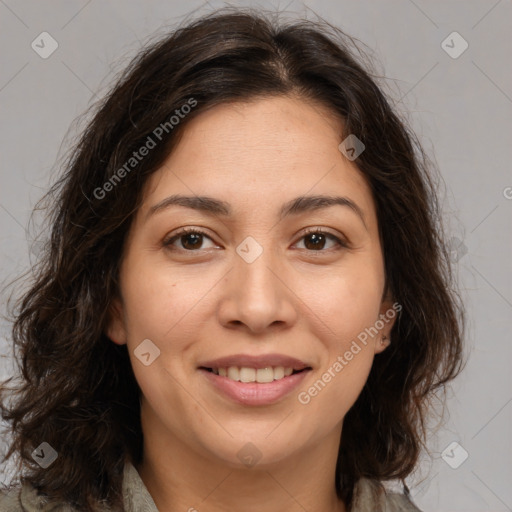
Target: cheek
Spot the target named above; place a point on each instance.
(344, 309)
(337, 384)
(167, 310)
(158, 304)
(160, 308)
(345, 303)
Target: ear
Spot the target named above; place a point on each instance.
(115, 328)
(389, 310)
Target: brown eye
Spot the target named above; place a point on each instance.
(317, 240)
(189, 239)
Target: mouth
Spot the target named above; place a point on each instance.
(255, 380)
(260, 375)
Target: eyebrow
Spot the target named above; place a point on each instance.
(216, 207)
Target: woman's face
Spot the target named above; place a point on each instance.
(255, 291)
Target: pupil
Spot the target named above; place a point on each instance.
(317, 239)
(313, 241)
(196, 240)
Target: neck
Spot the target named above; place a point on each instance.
(190, 481)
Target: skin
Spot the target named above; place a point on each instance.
(207, 302)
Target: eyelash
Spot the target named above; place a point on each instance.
(317, 231)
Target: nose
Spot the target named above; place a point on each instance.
(257, 297)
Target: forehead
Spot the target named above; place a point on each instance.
(265, 150)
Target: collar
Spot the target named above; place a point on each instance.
(369, 496)
(135, 494)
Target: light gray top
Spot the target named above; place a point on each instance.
(367, 498)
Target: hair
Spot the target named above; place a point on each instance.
(76, 389)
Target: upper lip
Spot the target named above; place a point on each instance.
(261, 361)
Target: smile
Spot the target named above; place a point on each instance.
(261, 375)
(254, 380)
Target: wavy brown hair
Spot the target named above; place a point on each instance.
(76, 389)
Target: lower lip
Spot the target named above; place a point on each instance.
(255, 393)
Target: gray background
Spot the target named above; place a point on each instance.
(460, 107)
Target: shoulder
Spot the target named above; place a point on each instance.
(9, 500)
(26, 499)
(371, 496)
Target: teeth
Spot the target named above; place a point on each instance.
(278, 372)
(233, 373)
(245, 374)
(264, 375)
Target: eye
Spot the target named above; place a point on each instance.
(316, 239)
(190, 240)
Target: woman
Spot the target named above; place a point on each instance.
(246, 303)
